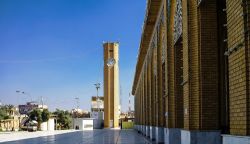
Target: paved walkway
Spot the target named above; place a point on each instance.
(12, 136)
(104, 136)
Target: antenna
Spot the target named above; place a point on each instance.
(97, 85)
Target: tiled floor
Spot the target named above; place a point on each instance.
(105, 136)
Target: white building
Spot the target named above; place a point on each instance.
(83, 123)
(49, 125)
(97, 103)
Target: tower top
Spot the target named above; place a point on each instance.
(109, 42)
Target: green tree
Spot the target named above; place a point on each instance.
(36, 115)
(3, 114)
(63, 118)
(8, 108)
(45, 115)
(5, 111)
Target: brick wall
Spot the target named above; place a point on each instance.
(150, 114)
(178, 87)
(201, 56)
(237, 69)
(247, 46)
(186, 63)
(191, 65)
(170, 61)
(200, 67)
(152, 88)
(208, 45)
(159, 73)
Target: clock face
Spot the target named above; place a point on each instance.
(110, 62)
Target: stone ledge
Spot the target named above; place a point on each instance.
(234, 139)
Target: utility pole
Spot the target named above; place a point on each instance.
(77, 103)
(42, 101)
(77, 107)
(97, 86)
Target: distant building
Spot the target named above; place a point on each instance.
(131, 114)
(10, 124)
(29, 106)
(97, 107)
(79, 113)
(97, 104)
(125, 116)
(97, 111)
(13, 122)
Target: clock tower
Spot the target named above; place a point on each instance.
(111, 84)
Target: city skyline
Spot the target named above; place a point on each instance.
(54, 49)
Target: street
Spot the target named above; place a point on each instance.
(104, 136)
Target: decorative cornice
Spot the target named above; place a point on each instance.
(153, 7)
(178, 21)
(199, 2)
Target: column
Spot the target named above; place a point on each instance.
(200, 54)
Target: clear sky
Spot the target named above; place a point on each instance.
(53, 48)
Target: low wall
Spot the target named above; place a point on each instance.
(127, 125)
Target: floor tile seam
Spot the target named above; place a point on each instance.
(147, 140)
(99, 132)
(118, 136)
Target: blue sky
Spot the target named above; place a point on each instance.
(53, 48)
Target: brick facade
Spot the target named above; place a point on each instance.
(198, 80)
(238, 64)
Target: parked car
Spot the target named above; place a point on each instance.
(32, 126)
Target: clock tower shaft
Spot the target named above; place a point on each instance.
(111, 85)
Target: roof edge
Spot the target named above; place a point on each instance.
(147, 26)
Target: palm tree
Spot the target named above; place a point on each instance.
(7, 110)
